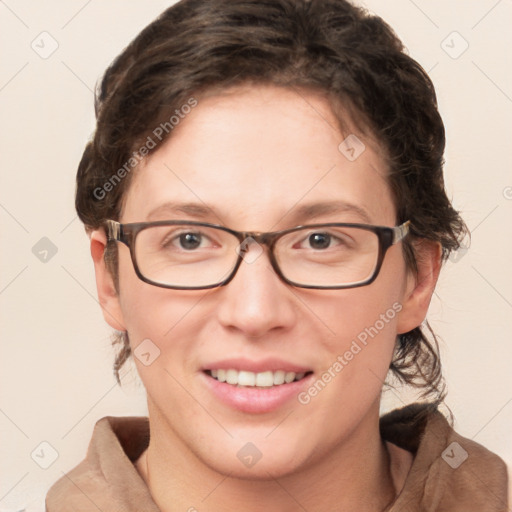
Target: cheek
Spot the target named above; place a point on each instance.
(365, 313)
(354, 367)
(161, 315)
(363, 326)
(156, 314)
(163, 327)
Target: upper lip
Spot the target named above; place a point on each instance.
(262, 365)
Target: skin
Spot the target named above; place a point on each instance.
(255, 155)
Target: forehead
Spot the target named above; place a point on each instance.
(255, 156)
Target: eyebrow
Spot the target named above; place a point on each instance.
(314, 210)
(297, 214)
(197, 210)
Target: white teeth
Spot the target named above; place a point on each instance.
(289, 377)
(232, 377)
(263, 379)
(278, 377)
(245, 378)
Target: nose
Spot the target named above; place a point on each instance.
(256, 301)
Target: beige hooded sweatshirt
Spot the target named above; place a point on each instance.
(438, 470)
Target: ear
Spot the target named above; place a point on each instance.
(420, 286)
(107, 294)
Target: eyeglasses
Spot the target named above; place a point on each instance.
(195, 255)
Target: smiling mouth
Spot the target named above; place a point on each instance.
(267, 379)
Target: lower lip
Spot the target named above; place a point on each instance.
(256, 400)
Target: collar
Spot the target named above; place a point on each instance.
(448, 472)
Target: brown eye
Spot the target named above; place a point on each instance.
(319, 240)
(190, 240)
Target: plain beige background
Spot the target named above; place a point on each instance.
(56, 377)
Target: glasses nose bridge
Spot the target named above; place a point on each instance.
(262, 238)
(248, 238)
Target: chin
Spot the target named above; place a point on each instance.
(262, 470)
(256, 460)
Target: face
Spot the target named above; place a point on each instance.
(255, 158)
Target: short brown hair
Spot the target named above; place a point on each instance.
(330, 46)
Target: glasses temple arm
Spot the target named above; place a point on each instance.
(400, 232)
(113, 230)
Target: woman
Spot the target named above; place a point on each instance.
(265, 203)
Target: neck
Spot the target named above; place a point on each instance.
(355, 476)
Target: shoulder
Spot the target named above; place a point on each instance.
(449, 472)
(107, 474)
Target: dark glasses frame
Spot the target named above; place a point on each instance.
(127, 234)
